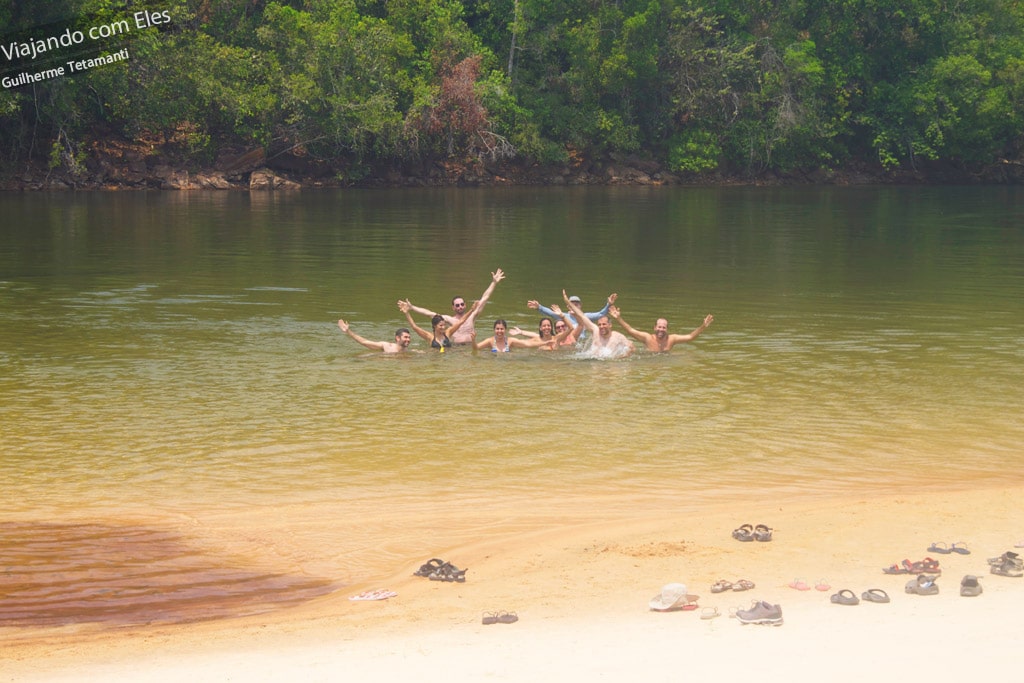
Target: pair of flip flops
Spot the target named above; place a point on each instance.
(801, 585)
(927, 565)
(439, 570)
(942, 549)
(722, 585)
(747, 533)
(379, 594)
(847, 596)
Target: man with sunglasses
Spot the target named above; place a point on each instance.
(464, 334)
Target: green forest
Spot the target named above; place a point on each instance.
(738, 88)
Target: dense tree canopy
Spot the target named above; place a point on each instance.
(729, 86)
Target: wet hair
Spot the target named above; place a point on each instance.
(402, 330)
(541, 323)
(435, 320)
(500, 320)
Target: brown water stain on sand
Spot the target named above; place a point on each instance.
(60, 574)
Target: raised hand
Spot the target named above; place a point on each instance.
(343, 325)
(534, 304)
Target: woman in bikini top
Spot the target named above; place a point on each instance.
(440, 337)
(501, 343)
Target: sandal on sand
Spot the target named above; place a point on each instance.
(923, 585)
(507, 617)
(448, 572)
(742, 585)
(489, 618)
(762, 533)
(939, 547)
(845, 597)
(710, 613)
(799, 584)
(721, 586)
(959, 547)
(927, 565)
(744, 533)
(969, 587)
(822, 585)
(874, 595)
(897, 569)
(429, 567)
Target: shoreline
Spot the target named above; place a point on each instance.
(581, 594)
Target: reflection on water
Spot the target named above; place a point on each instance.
(177, 355)
(59, 574)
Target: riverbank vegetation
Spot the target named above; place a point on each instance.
(354, 89)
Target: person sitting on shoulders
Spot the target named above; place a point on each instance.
(440, 337)
(661, 341)
(502, 343)
(400, 345)
(606, 343)
(467, 316)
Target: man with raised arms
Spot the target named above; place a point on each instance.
(464, 334)
(661, 341)
(400, 345)
(606, 343)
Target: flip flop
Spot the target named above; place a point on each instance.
(379, 594)
(939, 547)
(845, 597)
(822, 585)
(742, 585)
(721, 586)
(710, 613)
(744, 533)
(799, 584)
(507, 617)
(762, 533)
(688, 607)
(875, 595)
(489, 618)
(959, 547)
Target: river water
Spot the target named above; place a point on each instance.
(173, 383)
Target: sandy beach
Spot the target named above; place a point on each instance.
(581, 592)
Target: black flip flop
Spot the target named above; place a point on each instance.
(745, 533)
(845, 597)
(875, 595)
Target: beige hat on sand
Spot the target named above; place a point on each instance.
(672, 596)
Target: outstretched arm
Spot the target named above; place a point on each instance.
(496, 277)
(544, 310)
(420, 310)
(696, 333)
(636, 334)
(604, 311)
(372, 345)
(404, 307)
(581, 317)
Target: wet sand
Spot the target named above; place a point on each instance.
(581, 588)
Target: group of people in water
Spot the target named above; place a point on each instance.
(557, 329)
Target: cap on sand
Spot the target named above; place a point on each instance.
(575, 299)
(672, 596)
